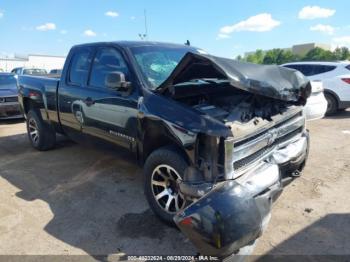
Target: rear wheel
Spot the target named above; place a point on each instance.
(164, 171)
(332, 104)
(41, 136)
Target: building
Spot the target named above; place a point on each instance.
(301, 49)
(305, 48)
(47, 62)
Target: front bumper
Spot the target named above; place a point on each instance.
(10, 110)
(235, 213)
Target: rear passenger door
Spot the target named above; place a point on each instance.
(72, 92)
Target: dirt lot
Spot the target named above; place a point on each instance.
(78, 200)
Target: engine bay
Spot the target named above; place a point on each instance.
(226, 103)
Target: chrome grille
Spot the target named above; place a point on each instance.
(240, 155)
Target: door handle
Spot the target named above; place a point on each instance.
(89, 102)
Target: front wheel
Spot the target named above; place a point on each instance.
(41, 136)
(163, 171)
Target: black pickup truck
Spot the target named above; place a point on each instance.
(218, 138)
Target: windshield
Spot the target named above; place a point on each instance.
(7, 81)
(36, 72)
(157, 63)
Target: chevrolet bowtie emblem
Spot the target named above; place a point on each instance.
(273, 134)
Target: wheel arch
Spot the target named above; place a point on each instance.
(29, 104)
(333, 94)
(156, 135)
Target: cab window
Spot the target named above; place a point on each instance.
(107, 60)
(79, 68)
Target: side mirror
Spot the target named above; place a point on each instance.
(116, 80)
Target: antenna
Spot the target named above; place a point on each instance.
(144, 36)
(146, 27)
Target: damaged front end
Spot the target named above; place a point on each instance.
(258, 136)
(233, 212)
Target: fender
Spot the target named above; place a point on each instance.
(34, 90)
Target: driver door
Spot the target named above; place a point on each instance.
(107, 113)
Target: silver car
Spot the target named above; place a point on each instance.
(9, 106)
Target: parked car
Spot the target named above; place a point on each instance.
(335, 77)
(9, 106)
(29, 71)
(218, 139)
(55, 72)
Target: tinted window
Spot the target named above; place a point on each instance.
(307, 70)
(320, 69)
(310, 70)
(107, 60)
(79, 68)
(296, 67)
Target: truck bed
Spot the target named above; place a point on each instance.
(28, 85)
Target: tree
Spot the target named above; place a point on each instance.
(256, 57)
(288, 57)
(319, 54)
(341, 53)
(282, 56)
(274, 56)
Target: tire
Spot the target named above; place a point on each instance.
(41, 135)
(163, 169)
(332, 104)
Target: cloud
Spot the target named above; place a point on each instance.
(327, 29)
(46, 27)
(259, 23)
(63, 32)
(111, 14)
(313, 12)
(89, 33)
(341, 41)
(223, 36)
(1, 14)
(132, 17)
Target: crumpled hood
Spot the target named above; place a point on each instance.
(266, 80)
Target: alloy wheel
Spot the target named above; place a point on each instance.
(33, 130)
(165, 187)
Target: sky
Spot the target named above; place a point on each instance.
(222, 27)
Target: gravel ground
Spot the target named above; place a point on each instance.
(78, 200)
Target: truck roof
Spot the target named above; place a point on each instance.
(128, 44)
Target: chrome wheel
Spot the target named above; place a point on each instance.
(33, 130)
(165, 187)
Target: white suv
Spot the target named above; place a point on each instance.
(335, 77)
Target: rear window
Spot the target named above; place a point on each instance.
(321, 69)
(79, 68)
(6, 80)
(34, 72)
